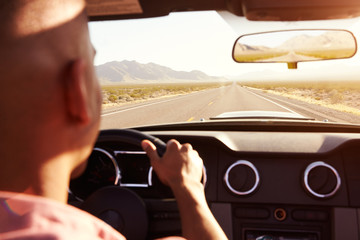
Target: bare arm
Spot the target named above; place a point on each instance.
(181, 169)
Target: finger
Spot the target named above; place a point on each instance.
(172, 145)
(150, 149)
(187, 147)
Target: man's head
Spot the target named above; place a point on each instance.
(49, 96)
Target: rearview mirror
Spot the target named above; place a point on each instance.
(294, 46)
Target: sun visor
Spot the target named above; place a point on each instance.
(259, 10)
(110, 7)
(133, 9)
(294, 10)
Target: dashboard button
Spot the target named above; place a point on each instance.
(310, 215)
(255, 213)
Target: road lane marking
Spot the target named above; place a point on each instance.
(287, 109)
(190, 119)
(149, 104)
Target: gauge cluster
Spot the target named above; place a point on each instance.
(114, 166)
(102, 170)
(135, 169)
(118, 160)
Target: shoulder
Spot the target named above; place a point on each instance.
(30, 217)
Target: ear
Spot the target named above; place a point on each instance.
(76, 93)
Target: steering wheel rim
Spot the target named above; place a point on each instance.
(107, 203)
(133, 137)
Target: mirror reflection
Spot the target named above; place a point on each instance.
(294, 46)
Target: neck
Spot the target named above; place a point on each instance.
(49, 179)
(53, 180)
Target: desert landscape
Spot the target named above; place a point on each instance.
(341, 96)
(118, 95)
(132, 82)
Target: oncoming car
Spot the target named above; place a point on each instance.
(268, 94)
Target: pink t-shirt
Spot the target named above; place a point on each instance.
(29, 217)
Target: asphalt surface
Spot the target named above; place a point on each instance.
(292, 57)
(210, 103)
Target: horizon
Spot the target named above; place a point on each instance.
(147, 41)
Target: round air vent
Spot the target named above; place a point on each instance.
(242, 178)
(321, 180)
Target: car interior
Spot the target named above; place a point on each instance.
(266, 176)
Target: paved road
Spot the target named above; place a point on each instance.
(293, 57)
(206, 104)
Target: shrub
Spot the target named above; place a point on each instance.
(112, 98)
(335, 97)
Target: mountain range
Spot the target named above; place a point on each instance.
(133, 72)
(330, 39)
(327, 40)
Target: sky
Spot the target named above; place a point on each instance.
(203, 41)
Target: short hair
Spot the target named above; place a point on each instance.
(7, 10)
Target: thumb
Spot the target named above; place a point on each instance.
(150, 149)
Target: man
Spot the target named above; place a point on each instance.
(50, 105)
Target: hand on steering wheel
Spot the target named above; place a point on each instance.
(179, 164)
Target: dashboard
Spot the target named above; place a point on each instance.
(258, 184)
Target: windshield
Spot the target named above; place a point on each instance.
(179, 68)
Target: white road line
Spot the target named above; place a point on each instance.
(287, 109)
(149, 104)
(132, 108)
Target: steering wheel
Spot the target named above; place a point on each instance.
(133, 137)
(123, 209)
